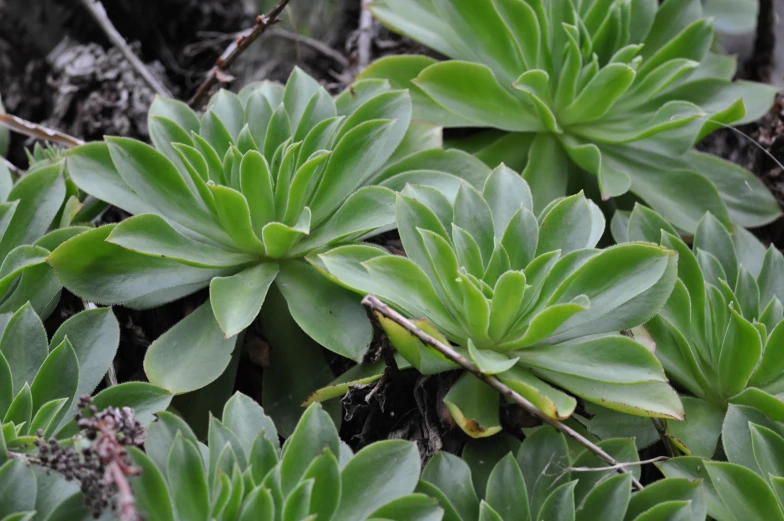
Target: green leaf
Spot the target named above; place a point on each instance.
(160, 438)
(347, 168)
(58, 378)
(24, 347)
(150, 173)
(740, 353)
(297, 365)
(325, 473)
(186, 480)
(376, 475)
(414, 507)
(748, 201)
(474, 406)
(151, 235)
(246, 418)
(39, 195)
(490, 362)
(17, 488)
(237, 300)
(314, 433)
(105, 273)
(145, 399)
(543, 457)
(699, 433)
(149, 489)
(736, 437)
(20, 410)
(95, 337)
(746, 495)
(559, 506)
(607, 500)
(190, 355)
(620, 449)
(673, 489)
(713, 237)
(554, 403)
(258, 505)
(767, 446)
(452, 477)
(472, 92)
(506, 491)
(329, 314)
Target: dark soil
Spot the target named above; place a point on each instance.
(56, 67)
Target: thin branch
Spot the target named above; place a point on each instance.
(617, 466)
(12, 167)
(321, 47)
(98, 12)
(375, 304)
(365, 39)
(37, 131)
(234, 50)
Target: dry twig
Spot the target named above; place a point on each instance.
(98, 12)
(365, 38)
(34, 130)
(12, 167)
(617, 466)
(374, 304)
(234, 50)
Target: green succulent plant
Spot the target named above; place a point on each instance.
(235, 199)
(531, 300)
(618, 89)
(721, 334)
(536, 482)
(750, 485)
(37, 213)
(40, 382)
(244, 474)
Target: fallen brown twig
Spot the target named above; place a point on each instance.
(98, 13)
(374, 304)
(234, 50)
(37, 131)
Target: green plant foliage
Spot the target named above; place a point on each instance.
(41, 379)
(37, 213)
(616, 88)
(530, 300)
(751, 484)
(537, 482)
(40, 382)
(721, 334)
(235, 199)
(243, 473)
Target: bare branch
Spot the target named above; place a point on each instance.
(234, 50)
(617, 466)
(376, 305)
(365, 39)
(37, 131)
(98, 12)
(12, 167)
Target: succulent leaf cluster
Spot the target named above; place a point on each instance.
(719, 336)
(529, 299)
(542, 479)
(234, 200)
(616, 88)
(243, 473)
(749, 485)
